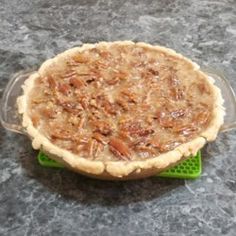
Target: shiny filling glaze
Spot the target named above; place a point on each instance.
(116, 102)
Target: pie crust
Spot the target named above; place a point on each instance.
(119, 170)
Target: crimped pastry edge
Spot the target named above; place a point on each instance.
(118, 169)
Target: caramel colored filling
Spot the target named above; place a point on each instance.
(121, 103)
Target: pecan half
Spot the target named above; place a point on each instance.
(71, 107)
(119, 148)
(100, 138)
(69, 74)
(80, 58)
(52, 82)
(122, 103)
(77, 82)
(64, 89)
(185, 130)
(57, 133)
(135, 128)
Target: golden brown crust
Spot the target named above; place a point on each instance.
(118, 169)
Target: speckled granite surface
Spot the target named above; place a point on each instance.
(39, 201)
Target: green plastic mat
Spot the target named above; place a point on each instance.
(188, 169)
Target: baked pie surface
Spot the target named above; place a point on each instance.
(120, 109)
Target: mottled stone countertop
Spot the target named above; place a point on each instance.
(40, 201)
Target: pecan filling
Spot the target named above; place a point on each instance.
(121, 103)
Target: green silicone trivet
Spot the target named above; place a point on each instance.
(188, 169)
(47, 162)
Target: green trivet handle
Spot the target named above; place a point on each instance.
(188, 169)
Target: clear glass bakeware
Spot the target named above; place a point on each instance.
(11, 120)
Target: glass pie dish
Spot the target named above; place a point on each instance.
(11, 120)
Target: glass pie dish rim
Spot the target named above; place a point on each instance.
(11, 119)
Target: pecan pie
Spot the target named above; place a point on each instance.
(120, 110)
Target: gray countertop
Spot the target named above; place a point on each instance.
(41, 201)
